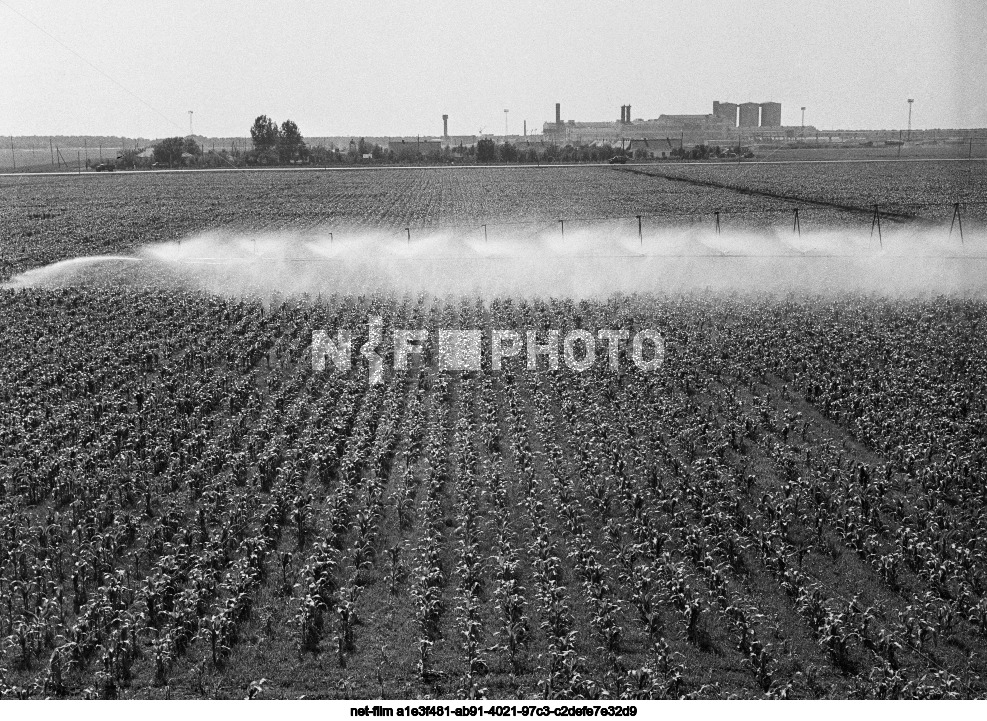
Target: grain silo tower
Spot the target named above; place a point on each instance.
(770, 115)
(750, 114)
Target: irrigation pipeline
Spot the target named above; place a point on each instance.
(408, 232)
(875, 211)
(891, 215)
(501, 258)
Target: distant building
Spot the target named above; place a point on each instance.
(413, 149)
(651, 148)
(727, 112)
(688, 122)
(750, 115)
(770, 115)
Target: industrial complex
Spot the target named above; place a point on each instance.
(727, 123)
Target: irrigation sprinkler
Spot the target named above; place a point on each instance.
(484, 232)
(562, 222)
(876, 223)
(797, 227)
(330, 238)
(717, 214)
(957, 217)
(408, 231)
(640, 232)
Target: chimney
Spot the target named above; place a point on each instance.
(445, 126)
(558, 113)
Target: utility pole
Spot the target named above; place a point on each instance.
(13, 158)
(910, 101)
(51, 147)
(803, 121)
(190, 123)
(506, 111)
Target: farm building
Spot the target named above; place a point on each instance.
(651, 148)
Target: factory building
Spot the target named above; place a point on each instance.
(727, 112)
(770, 115)
(750, 115)
(720, 125)
(414, 148)
(686, 122)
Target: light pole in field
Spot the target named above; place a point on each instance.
(910, 101)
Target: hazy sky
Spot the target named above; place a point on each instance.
(388, 68)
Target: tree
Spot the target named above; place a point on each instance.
(170, 150)
(264, 133)
(486, 151)
(290, 142)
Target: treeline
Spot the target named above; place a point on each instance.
(280, 145)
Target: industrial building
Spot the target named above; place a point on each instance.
(751, 115)
(696, 128)
(727, 112)
(413, 148)
(770, 115)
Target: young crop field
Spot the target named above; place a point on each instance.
(781, 497)
(44, 219)
(917, 190)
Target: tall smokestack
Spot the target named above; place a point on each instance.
(558, 113)
(628, 113)
(445, 126)
(623, 114)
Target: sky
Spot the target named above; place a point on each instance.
(135, 68)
